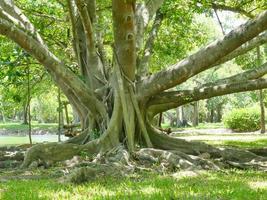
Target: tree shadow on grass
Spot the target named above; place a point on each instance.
(208, 186)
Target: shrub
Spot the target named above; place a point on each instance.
(243, 119)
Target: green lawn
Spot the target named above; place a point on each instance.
(223, 185)
(243, 185)
(261, 143)
(200, 126)
(18, 127)
(12, 126)
(17, 140)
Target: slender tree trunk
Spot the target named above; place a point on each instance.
(262, 112)
(29, 103)
(178, 121)
(195, 114)
(25, 111)
(3, 113)
(261, 96)
(160, 120)
(3, 116)
(60, 116)
(211, 115)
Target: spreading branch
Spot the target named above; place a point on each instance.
(66, 79)
(247, 75)
(203, 59)
(259, 40)
(168, 100)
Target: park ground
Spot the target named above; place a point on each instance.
(224, 184)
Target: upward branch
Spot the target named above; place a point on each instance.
(87, 24)
(143, 63)
(144, 13)
(66, 79)
(203, 59)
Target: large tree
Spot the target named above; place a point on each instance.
(119, 98)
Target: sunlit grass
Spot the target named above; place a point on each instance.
(229, 184)
(209, 185)
(260, 143)
(17, 140)
(12, 126)
(200, 126)
(15, 128)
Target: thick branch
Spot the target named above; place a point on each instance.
(9, 10)
(89, 61)
(203, 59)
(56, 68)
(247, 75)
(260, 40)
(169, 100)
(87, 24)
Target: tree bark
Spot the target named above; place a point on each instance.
(262, 112)
(203, 59)
(195, 114)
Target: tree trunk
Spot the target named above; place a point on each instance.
(195, 114)
(160, 119)
(178, 121)
(60, 116)
(29, 103)
(261, 96)
(211, 118)
(25, 112)
(262, 112)
(219, 113)
(3, 115)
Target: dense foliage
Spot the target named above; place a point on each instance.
(243, 119)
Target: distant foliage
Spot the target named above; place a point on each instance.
(243, 119)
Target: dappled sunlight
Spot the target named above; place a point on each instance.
(230, 184)
(184, 174)
(258, 185)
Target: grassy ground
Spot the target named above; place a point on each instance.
(200, 126)
(12, 126)
(243, 185)
(17, 140)
(261, 143)
(223, 185)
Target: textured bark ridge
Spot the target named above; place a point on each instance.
(117, 101)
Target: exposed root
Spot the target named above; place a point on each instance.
(105, 157)
(48, 154)
(163, 141)
(175, 160)
(259, 151)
